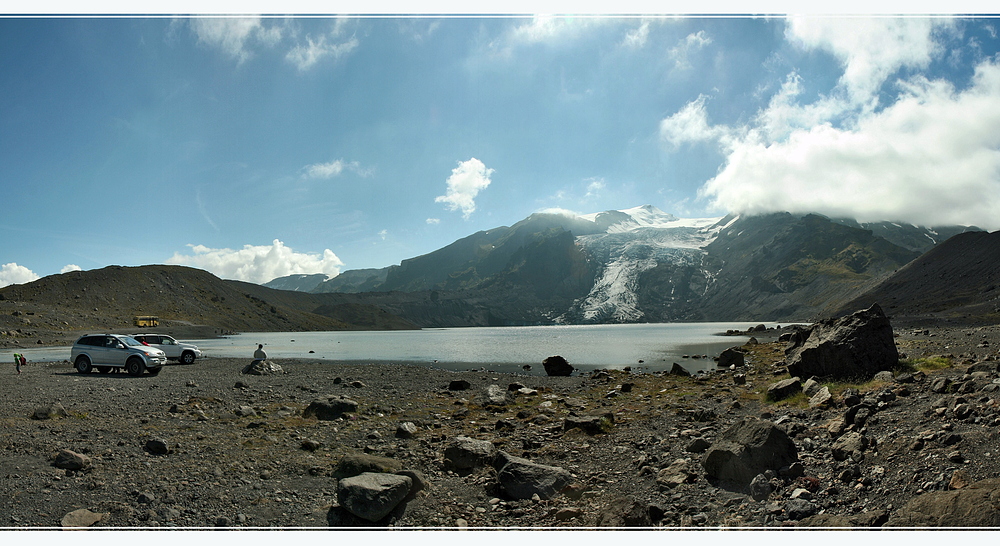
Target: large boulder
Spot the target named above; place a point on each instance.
(522, 479)
(732, 356)
(977, 505)
(853, 347)
(557, 366)
(371, 495)
(464, 453)
(750, 447)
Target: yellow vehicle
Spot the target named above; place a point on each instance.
(147, 321)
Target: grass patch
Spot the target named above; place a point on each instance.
(928, 364)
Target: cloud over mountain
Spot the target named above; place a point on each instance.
(258, 264)
(929, 156)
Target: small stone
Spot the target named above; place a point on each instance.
(406, 430)
(81, 518)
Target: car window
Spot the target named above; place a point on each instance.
(131, 342)
(167, 341)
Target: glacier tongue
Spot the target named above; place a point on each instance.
(631, 247)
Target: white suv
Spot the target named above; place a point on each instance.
(175, 350)
(107, 352)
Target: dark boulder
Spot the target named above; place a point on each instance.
(732, 356)
(557, 366)
(522, 479)
(784, 389)
(853, 347)
(750, 447)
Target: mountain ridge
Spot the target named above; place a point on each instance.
(645, 265)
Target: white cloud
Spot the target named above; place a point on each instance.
(690, 124)
(16, 274)
(433, 221)
(595, 187)
(932, 157)
(383, 234)
(258, 264)
(333, 168)
(870, 48)
(687, 46)
(305, 56)
(233, 35)
(70, 267)
(464, 184)
(636, 38)
(929, 156)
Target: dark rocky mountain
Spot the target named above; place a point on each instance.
(109, 298)
(297, 283)
(909, 236)
(958, 280)
(643, 265)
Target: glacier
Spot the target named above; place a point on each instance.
(634, 241)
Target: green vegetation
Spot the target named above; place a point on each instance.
(928, 364)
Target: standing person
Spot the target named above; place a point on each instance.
(17, 362)
(259, 354)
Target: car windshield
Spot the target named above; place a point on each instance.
(131, 342)
(167, 341)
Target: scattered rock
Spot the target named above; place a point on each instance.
(521, 478)
(732, 356)
(81, 518)
(354, 464)
(406, 430)
(71, 460)
(784, 389)
(157, 446)
(750, 447)
(372, 496)
(262, 367)
(466, 453)
(459, 385)
(53, 411)
(591, 424)
(332, 408)
(557, 366)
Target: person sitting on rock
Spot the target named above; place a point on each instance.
(259, 354)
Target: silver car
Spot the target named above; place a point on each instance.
(107, 352)
(175, 350)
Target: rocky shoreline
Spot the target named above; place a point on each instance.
(206, 445)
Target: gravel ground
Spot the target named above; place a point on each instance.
(241, 454)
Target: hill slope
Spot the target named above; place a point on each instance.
(958, 279)
(109, 298)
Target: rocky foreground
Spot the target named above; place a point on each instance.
(330, 444)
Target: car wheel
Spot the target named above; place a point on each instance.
(104, 369)
(187, 358)
(83, 364)
(134, 366)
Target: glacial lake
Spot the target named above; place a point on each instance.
(497, 349)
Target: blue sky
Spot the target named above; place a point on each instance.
(256, 147)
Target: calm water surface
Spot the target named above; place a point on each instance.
(501, 349)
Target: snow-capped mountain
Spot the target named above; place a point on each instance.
(640, 265)
(635, 241)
